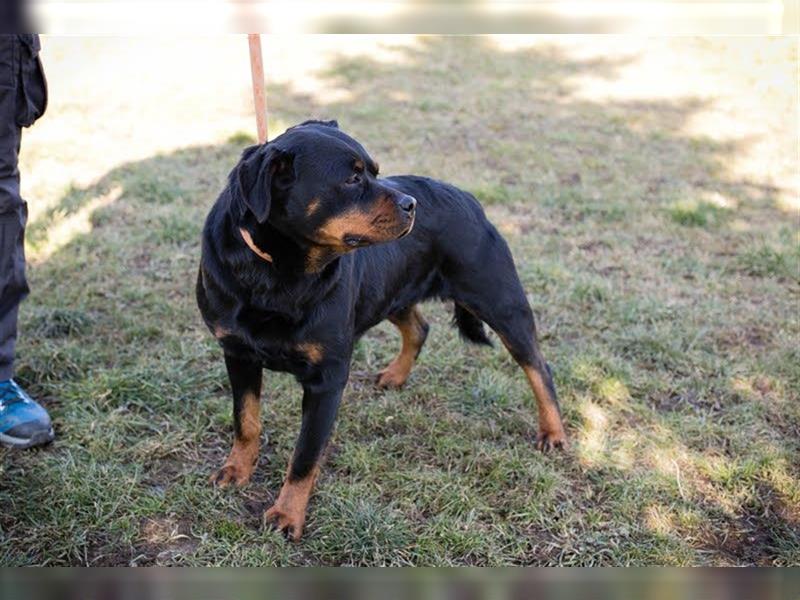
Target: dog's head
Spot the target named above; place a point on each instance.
(318, 185)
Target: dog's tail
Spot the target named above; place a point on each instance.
(469, 326)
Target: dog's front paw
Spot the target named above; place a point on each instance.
(551, 440)
(232, 473)
(286, 519)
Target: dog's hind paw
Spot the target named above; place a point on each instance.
(549, 440)
(389, 380)
(392, 377)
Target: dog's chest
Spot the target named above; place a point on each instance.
(276, 353)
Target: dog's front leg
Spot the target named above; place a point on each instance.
(320, 405)
(245, 378)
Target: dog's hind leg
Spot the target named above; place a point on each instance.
(519, 337)
(493, 293)
(414, 330)
(518, 333)
(245, 378)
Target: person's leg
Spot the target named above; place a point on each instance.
(23, 423)
(13, 286)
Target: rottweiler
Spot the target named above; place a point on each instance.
(307, 248)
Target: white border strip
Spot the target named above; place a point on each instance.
(481, 16)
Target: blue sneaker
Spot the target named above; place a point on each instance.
(23, 422)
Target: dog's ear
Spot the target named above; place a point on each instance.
(261, 170)
(333, 123)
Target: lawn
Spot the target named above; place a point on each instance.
(648, 189)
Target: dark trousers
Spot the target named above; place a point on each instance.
(23, 99)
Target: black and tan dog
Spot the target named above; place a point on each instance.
(307, 248)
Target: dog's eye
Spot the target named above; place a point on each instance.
(354, 179)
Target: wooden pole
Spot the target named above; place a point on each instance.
(259, 93)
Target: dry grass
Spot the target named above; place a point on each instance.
(648, 189)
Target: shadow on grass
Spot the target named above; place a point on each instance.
(112, 336)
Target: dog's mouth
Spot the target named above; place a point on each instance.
(354, 240)
(407, 230)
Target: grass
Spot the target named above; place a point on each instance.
(697, 214)
(663, 270)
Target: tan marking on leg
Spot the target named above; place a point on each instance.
(289, 510)
(311, 350)
(242, 458)
(551, 429)
(412, 330)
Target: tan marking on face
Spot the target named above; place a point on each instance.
(312, 351)
(358, 165)
(316, 258)
(313, 206)
(248, 239)
(241, 461)
(289, 510)
(379, 223)
(355, 222)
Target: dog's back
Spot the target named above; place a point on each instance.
(451, 238)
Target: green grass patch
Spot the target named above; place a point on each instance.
(694, 213)
(493, 194)
(241, 138)
(766, 261)
(152, 189)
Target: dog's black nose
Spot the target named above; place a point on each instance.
(407, 203)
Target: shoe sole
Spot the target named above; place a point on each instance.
(37, 439)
